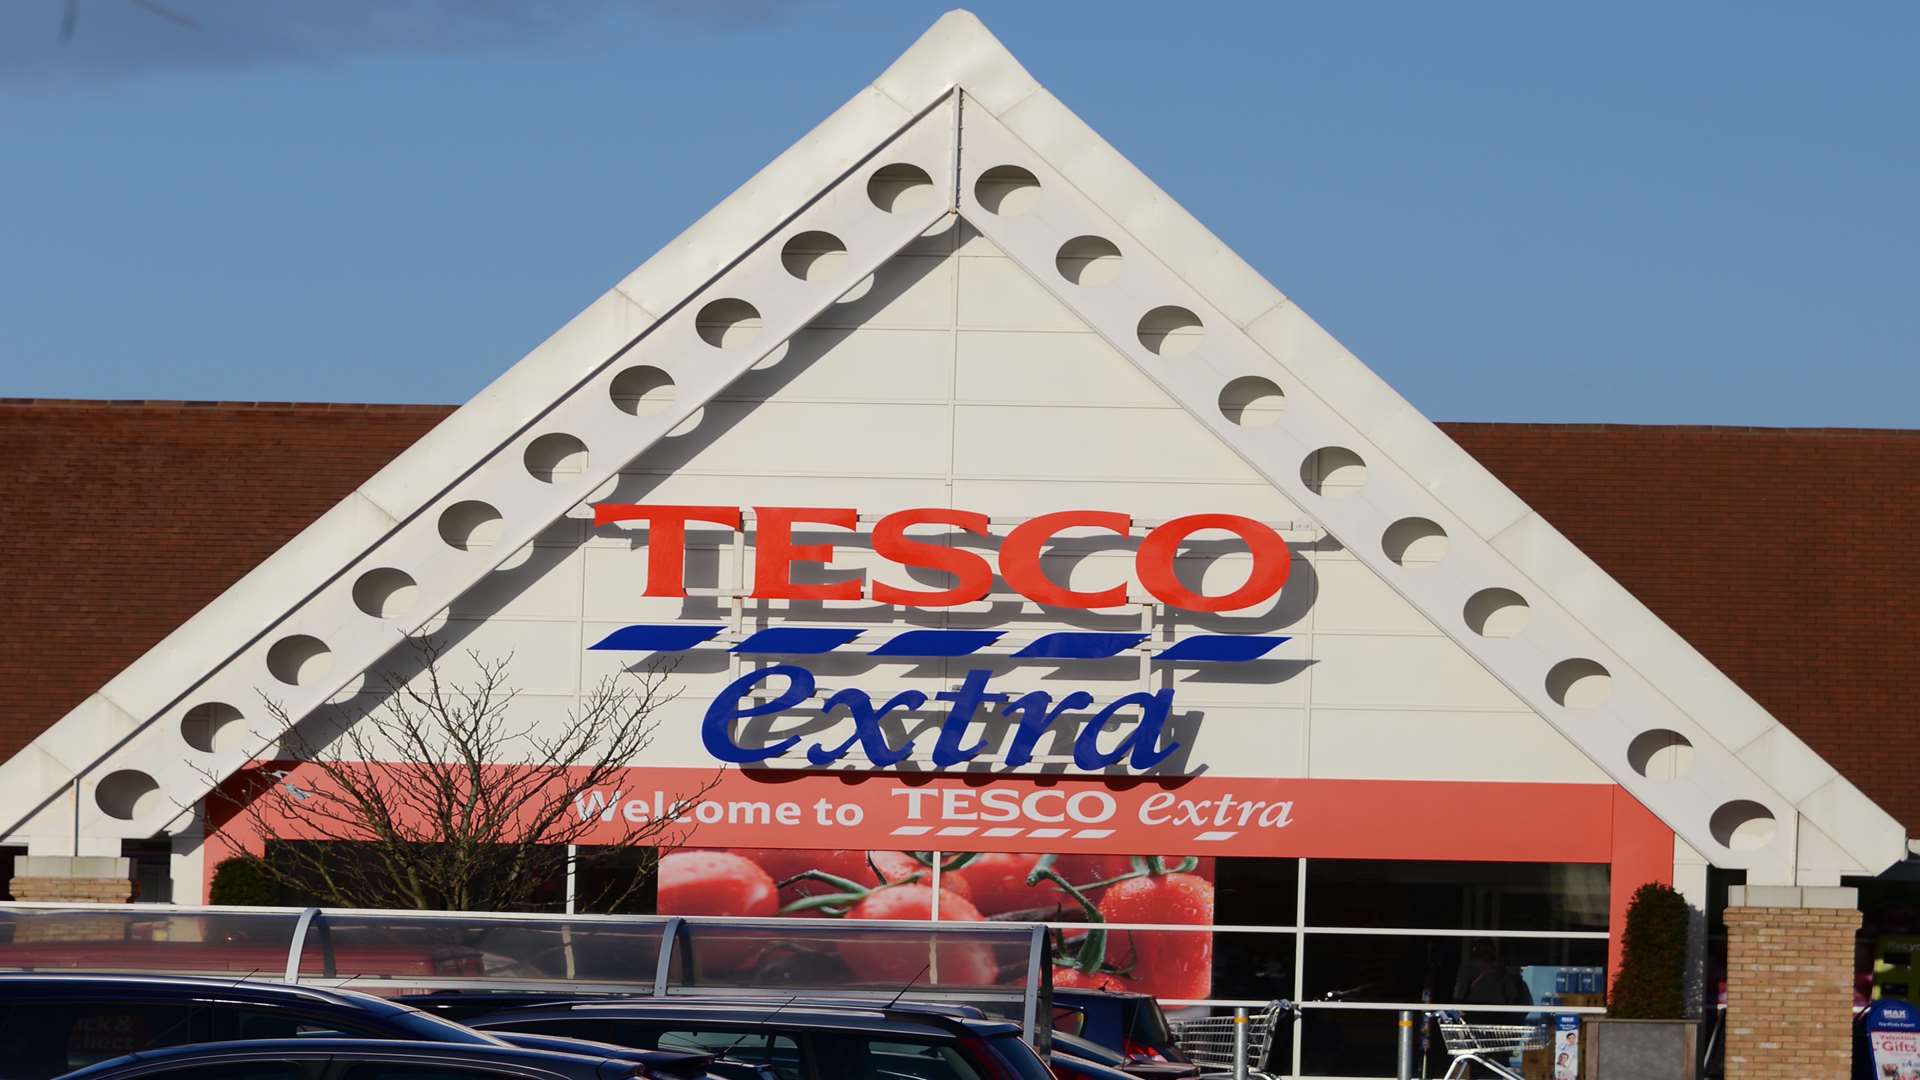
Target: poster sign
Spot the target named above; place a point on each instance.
(1893, 1037)
(1566, 1047)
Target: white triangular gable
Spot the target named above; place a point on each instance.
(956, 125)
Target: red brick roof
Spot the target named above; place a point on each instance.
(1784, 555)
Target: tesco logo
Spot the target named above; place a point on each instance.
(1019, 565)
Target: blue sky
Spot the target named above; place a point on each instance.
(1637, 212)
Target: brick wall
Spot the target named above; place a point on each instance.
(89, 890)
(124, 518)
(1782, 554)
(1790, 993)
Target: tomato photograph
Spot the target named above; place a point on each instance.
(1104, 913)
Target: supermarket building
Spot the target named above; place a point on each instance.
(951, 449)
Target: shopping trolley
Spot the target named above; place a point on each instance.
(1208, 1041)
(1468, 1044)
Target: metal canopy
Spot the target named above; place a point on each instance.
(1002, 968)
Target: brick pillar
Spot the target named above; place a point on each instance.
(92, 879)
(1790, 982)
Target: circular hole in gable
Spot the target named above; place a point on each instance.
(813, 256)
(210, 726)
(299, 659)
(1251, 401)
(1742, 825)
(1579, 683)
(1333, 472)
(1497, 613)
(1414, 541)
(1660, 754)
(128, 794)
(1088, 260)
(384, 592)
(469, 525)
(553, 455)
(1170, 331)
(900, 188)
(1007, 190)
(728, 323)
(642, 390)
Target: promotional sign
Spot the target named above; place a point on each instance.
(1252, 817)
(1566, 1047)
(1893, 1038)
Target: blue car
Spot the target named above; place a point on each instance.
(357, 1059)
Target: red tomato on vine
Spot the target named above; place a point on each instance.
(715, 883)
(1084, 870)
(891, 962)
(998, 883)
(1074, 978)
(1164, 963)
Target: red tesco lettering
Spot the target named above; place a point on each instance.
(1019, 564)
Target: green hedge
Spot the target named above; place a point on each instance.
(1653, 957)
(240, 881)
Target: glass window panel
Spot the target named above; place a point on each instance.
(1256, 892)
(100, 1031)
(912, 1061)
(230, 1024)
(1457, 895)
(1444, 970)
(778, 1052)
(614, 881)
(1250, 966)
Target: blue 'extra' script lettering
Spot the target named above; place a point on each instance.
(1034, 713)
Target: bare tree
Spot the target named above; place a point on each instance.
(437, 799)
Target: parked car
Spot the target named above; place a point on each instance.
(357, 1059)
(50, 1024)
(1070, 1067)
(1068, 1057)
(798, 1040)
(1128, 1023)
(1088, 1050)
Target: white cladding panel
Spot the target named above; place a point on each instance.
(955, 380)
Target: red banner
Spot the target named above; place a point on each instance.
(1236, 816)
(1204, 815)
